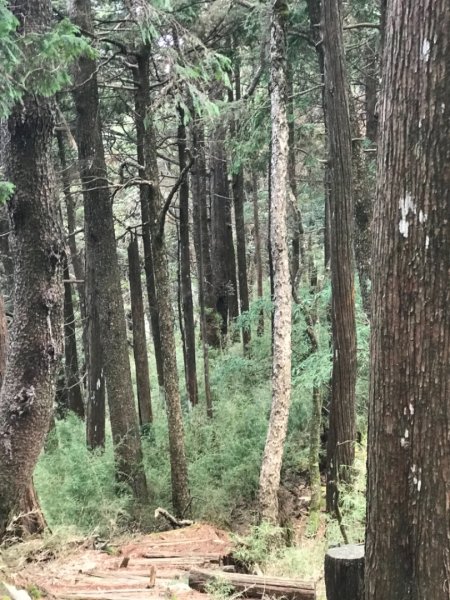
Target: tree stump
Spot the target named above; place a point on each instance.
(344, 572)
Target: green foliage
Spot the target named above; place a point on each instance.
(6, 191)
(263, 544)
(76, 486)
(219, 588)
(36, 63)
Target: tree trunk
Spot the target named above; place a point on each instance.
(202, 238)
(239, 198)
(102, 255)
(342, 430)
(72, 373)
(344, 573)
(223, 258)
(178, 464)
(408, 517)
(258, 257)
(139, 336)
(142, 101)
(281, 361)
(185, 269)
(297, 252)
(26, 399)
(75, 257)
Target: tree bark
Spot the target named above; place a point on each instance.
(139, 336)
(342, 430)
(185, 269)
(142, 101)
(281, 360)
(102, 254)
(26, 399)
(72, 373)
(408, 515)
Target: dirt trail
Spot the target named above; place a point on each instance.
(89, 574)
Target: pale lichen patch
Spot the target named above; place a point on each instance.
(406, 206)
(426, 50)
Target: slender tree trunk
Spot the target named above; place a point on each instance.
(281, 365)
(185, 269)
(75, 257)
(297, 252)
(223, 257)
(142, 101)
(408, 515)
(239, 198)
(342, 430)
(139, 336)
(72, 373)
(102, 254)
(202, 238)
(178, 464)
(315, 18)
(362, 203)
(26, 399)
(258, 257)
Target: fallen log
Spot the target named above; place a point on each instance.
(255, 586)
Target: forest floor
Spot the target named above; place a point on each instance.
(150, 567)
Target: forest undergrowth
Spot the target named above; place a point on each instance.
(77, 490)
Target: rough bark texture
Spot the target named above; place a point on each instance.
(408, 518)
(139, 335)
(72, 373)
(342, 431)
(281, 360)
(185, 270)
(105, 281)
(26, 399)
(142, 101)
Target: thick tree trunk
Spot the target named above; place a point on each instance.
(72, 373)
(139, 336)
(258, 256)
(26, 399)
(142, 101)
(281, 362)
(408, 517)
(102, 254)
(185, 270)
(342, 430)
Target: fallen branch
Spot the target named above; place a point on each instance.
(162, 512)
(254, 586)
